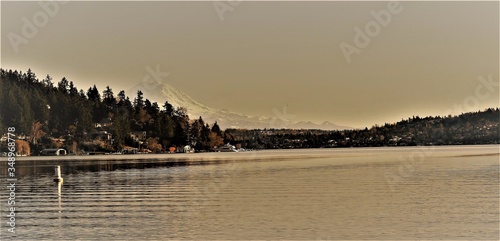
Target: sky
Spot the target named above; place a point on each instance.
(351, 63)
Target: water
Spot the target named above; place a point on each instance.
(327, 194)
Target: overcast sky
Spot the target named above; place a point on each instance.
(260, 56)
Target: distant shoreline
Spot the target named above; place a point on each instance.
(264, 154)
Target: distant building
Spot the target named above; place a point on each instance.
(102, 136)
(106, 122)
(130, 150)
(53, 152)
(138, 135)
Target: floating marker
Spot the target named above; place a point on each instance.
(58, 174)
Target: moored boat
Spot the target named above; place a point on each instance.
(226, 148)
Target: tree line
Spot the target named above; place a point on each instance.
(59, 115)
(481, 127)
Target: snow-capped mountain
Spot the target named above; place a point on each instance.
(226, 119)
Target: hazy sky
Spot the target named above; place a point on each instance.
(260, 56)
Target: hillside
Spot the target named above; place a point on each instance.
(48, 115)
(480, 127)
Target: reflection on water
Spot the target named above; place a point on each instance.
(27, 168)
(342, 196)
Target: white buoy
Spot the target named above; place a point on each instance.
(58, 174)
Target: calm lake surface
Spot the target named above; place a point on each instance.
(325, 194)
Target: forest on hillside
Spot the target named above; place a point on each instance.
(481, 127)
(59, 115)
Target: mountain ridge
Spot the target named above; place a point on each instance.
(226, 118)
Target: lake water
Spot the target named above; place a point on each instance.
(325, 194)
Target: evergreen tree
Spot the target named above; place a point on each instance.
(26, 118)
(152, 109)
(108, 98)
(40, 107)
(47, 82)
(31, 77)
(216, 129)
(13, 109)
(93, 94)
(169, 109)
(63, 86)
(205, 137)
(195, 134)
(164, 129)
(139, 102)
(73, 91)
(121, 97)
(82, 94)
(121, 126)
(181, 130)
